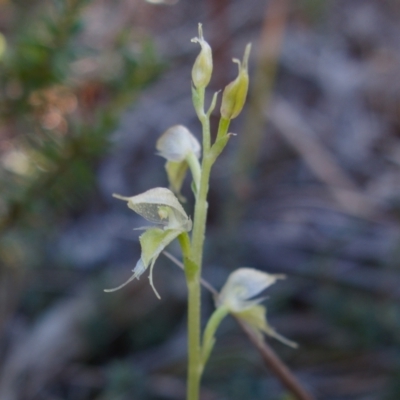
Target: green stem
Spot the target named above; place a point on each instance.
(223, 127)
(193, 280)
(195, 168)
(184, 242)
(194, 350)
(194, 262)
(209, 333)
(200, 211)
(194, 332)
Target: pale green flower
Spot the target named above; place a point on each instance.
(161, 207)
(181, 150)
(239, 293)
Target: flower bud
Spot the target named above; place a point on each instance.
(234, 95)
(3, 45)
(203, 66)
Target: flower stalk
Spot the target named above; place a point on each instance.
(161, 207)
(198, 353)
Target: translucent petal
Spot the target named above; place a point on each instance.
(176, 172)
(160, 206)
(243, 285)
(137, 271)
(256, 318)
(176, 143)
(153, 242)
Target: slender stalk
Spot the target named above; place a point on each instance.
(195, 168)
(197, 243)
(196, 253)
(200, 213)
(209, 333)
(194, 350)
(223, 127)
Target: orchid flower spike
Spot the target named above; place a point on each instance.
(161, 207)
(239, 296)
(181, 150)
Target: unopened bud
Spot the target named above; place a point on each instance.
(3, 45)
(234, 95)
(202, 68)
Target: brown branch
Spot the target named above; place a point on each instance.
(276, 364)
(268, 355)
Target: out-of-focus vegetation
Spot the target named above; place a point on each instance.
(63, 87)
(62, 92)
(319, 202)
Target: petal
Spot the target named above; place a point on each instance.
(243, 285)
(152, 205)
(137, 271)
(176, 172)
(154, 241)
(256, 318)
(176, 143)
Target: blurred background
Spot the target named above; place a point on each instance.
(309, 187)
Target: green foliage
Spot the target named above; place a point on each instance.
(55, 118)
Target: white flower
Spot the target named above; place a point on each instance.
(239, 293)
(181, 150)
(160, 206)
(176, 143)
